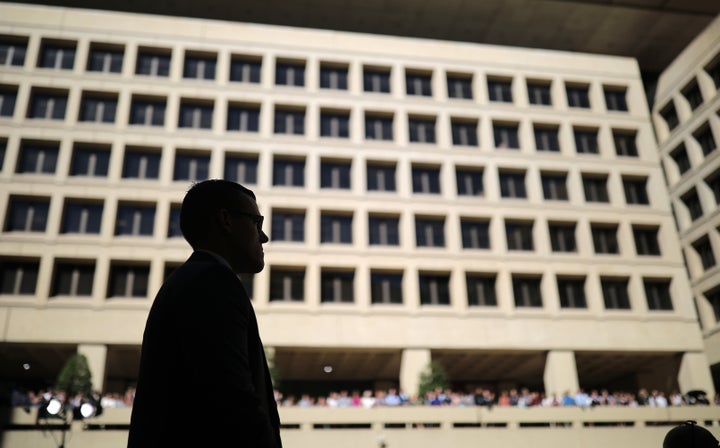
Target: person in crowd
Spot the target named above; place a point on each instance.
(202, 334)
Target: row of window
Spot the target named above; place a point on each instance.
(100, 107)
(287, 284)
(84, 216)
(705, 140)
(692, 94)
(289, 171)
(202, 65)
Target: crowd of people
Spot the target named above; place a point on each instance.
(522, 398)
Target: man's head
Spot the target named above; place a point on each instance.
(689, 435)
(223, 217)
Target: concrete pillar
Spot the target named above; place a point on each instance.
(695, 373)
(560, 372)
(412, 363)
(96, 355)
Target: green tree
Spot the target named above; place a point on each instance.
(431, 378)
(75, 376)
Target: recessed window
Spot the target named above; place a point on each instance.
(422, 129)
(595, 188)
(378, 127)
(692, 94)
(376, 80)
(241, 168)
(430, 231)
(290, 73)
(336, 228)
(578, 96)
(73, 278)
(500, 90)
(572, 292)
(704, 249)
(692, 202)
(288, 225)
(243, 117)
(546, 138)
(47, 104)
(419, 84)
(657, 293)
(98, 107)
(386, 287)
(586, 140)
(539, 93)
(199, 66)
(635, 190)
(8, 98)
(705, 139)
(475, 233)
(128, 280)
(680, 156)
(335, 174)
(384, 230)
(153, 62)
(27, 214)
(481, 289)
(459, 86)
(712, 69)
(646, 240)
(519, 235)
(58, 55)
(141, 163)
(625, 142)
(335, 124)
(105, 58)
(289, 121)
(604, 238)
(512, 184)
(506, 135)
(135, 219)
(337, 286)
(90, 160)
(434, 289)
(287, 284)
(147, 111)
(195, 114)
(469, 181)
(562, 236)
(333, 77)
(615, 98)
(670, 116)
(713, 182)
(526, 291)
(3, 149)
(13, 50)
(464, 132)
(426, 179)
(245, 69)
(37, 157)
(191, 166)
(615, 293)
(554, 186)
(18, 277)
(713, 297)
(289, 172)
(380, 177)
(174, 230)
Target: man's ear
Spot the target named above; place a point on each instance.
(224, 220)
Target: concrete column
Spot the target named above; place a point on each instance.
(96, 355)
(413, 362)
(560, 372)
(695, 373)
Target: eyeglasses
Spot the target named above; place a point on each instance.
(256, 219)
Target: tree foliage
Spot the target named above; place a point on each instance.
(432, 377)
(75, 376)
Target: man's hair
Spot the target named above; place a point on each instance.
(202, 202)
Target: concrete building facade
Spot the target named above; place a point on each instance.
(501, 210)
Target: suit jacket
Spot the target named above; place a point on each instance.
(204, 379)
